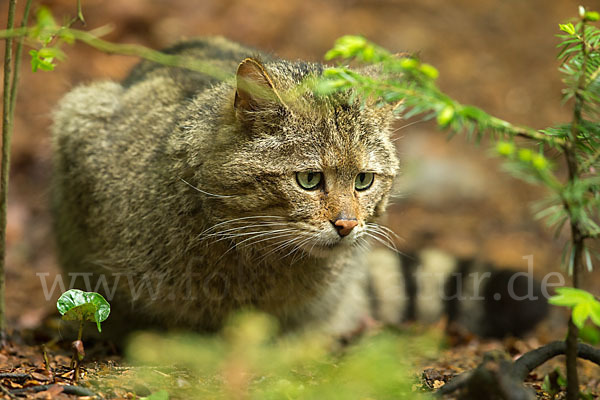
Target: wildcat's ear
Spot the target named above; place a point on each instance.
(255, 90)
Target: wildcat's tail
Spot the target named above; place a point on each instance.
(488, 301)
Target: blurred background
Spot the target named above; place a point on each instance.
(495, 54)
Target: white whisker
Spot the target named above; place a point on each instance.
(387, 244)
(205, 192)
(253, 233)
(237, 220)
(276, 235)
(239, 228)
(238, 244)
(280, 245)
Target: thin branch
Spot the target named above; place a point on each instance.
(15, 376)
(13, 33)
(17, 64)
(152, 55)
(134, 50)
(526, 132)
(67, 389)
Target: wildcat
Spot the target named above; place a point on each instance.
(222, 194)
(187, 197)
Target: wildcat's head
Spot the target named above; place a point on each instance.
(305, 174)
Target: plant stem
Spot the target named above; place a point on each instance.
(13, 33)
(76, 348)
(6, 134)
(577, 238)
(17, 63)
(80, 333)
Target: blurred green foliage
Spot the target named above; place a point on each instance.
(249, 359)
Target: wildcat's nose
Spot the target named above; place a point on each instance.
(344, 226)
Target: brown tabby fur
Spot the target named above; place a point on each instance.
(186, 183)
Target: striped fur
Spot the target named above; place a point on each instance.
(431, 284)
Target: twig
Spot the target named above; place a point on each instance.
(7, 392)
(149, 54)
(80, 12)
(67, 389)
(18, 376)
(17, 64)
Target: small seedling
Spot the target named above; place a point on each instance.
(77, 305)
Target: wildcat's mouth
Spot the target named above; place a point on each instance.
(323, 249)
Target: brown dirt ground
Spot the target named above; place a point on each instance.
(499, 55)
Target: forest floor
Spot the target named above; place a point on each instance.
(36, 365)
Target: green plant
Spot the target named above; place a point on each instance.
(77, 305)
(574, 201)
(584, 305)
(249, 359)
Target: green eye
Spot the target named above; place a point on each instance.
(364, 180)
(309, 180)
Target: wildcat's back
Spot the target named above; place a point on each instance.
(194, 197)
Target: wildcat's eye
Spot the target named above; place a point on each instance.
(309, 180)
(364, 180)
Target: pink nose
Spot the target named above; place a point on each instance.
(345, 226)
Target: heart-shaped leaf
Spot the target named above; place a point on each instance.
(77, 305)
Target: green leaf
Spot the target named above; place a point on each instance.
(445, 116)
(525, 155)
(430, 71)
(347, 47)
(39, 62)
(505, 148)
(160, 395)
(570, 297)
(51, 53)
(583, 303)
(590, 334)
(580, 314)
(562, 381)
(77, 305)
(588, 259)
(408, 63)
(546, 385)
(569, 28)
(45, 26)
(595, 312)
(591, 16)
